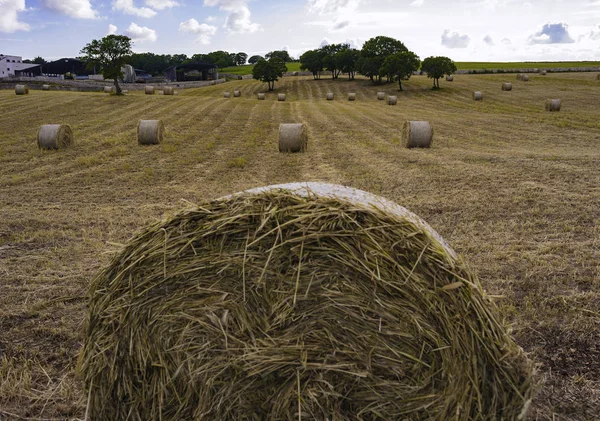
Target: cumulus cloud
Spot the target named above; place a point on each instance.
(161, 4)
(127, 7)
(80, 9)
(552, 33)
(326, 7)
(324, 43)
(202, 30)
(112, 29)
(238, 21)
(140, 33)
(506, 41)
(9, 21)
(593, 35)
(488, 40)
(455, 40)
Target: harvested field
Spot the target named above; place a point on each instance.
(515, 191)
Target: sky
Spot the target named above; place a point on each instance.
(464, 30)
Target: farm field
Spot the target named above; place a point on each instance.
(515, 190)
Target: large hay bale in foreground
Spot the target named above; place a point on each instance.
(309, 299)
(392, 100)
(380, 96)
(149, 90)
(150, 132)
(54, 136)
(553, 104)
(417, 134)
(293, 138)
(21, 90)
(478, 96)
(507, 86)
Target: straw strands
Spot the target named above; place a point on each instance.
(150, 132)
(553, 104)
(21, 90)
(304, 301)
(54, 136)
(293, 138)
(417, 134)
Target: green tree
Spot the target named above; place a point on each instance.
(222, 57)
(437, 67)
(282, 54)
(254, 59)
(110, 54)
(240, 59)
(269, 71)
(222, 63)
(312, 60)
(401, 65)
(374, 53)
(39, 60)
(330, 60)
(347, 61)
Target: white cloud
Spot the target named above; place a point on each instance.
(112, 29)
(455, 40)
(210, 19)
(506, 41)
(338, 26)
(161, 4)
(552, 33)
(80, 9)
(9, 21)
(140, 33)
(488, 40)
(238, 21)
(418, 3)
(203, 30)
(324, 43)
(127, 7)
(327, 7)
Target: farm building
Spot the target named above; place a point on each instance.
(192, 72)
(64, 66)
(14, 66)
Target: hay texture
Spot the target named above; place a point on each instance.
(303, 301)
(237, 94)
(149, 90)
(380, 96)
(261, 96)
(525, 78)
(392, 100)
(226, 95)
(108, 89)
(54, 136)
(293, 138)
(449, 78)
(150, 132)
(168, 90)
(478, 96)
(329, 96)
(21, 90)
(507, 86)
(281, 97)
(352, 96)
(417, 134)
(45, 87)
(519, 76)
(553, 105)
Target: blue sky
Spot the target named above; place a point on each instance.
(464, 30)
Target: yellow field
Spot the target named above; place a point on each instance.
(513, 188)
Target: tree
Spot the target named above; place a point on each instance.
(312, 60)
(269, 71)
(240, 59)
(110, 53)
(436, 67)
(330, 62)
(374, 53)
(347, 60)
(254, 59)
(401, 65)
(222, 63)
(282, 54)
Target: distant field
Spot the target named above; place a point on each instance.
(247, 69)
(514, 189)
(524, 65)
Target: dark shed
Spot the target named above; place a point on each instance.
(192, 72)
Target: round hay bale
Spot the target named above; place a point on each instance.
(168, 90)
(295, 74)
(543, 72)
(261, 96)
(149, 90)
(21, 90)
(108, 89)
(507, 86)
(519, 76)
(329, 96)
(54, 136)
(417, 134)
(405, 77)
(598, 76)
(150, 132)
(237, 94)
(525, 78)
(281, 97)
(306, 300)
(226, 95)
(478, 96)
(352, 96)
(293, 138)
(380, 96)
(449, 78)
(45, 87)
(553, 105)
(392, 100)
